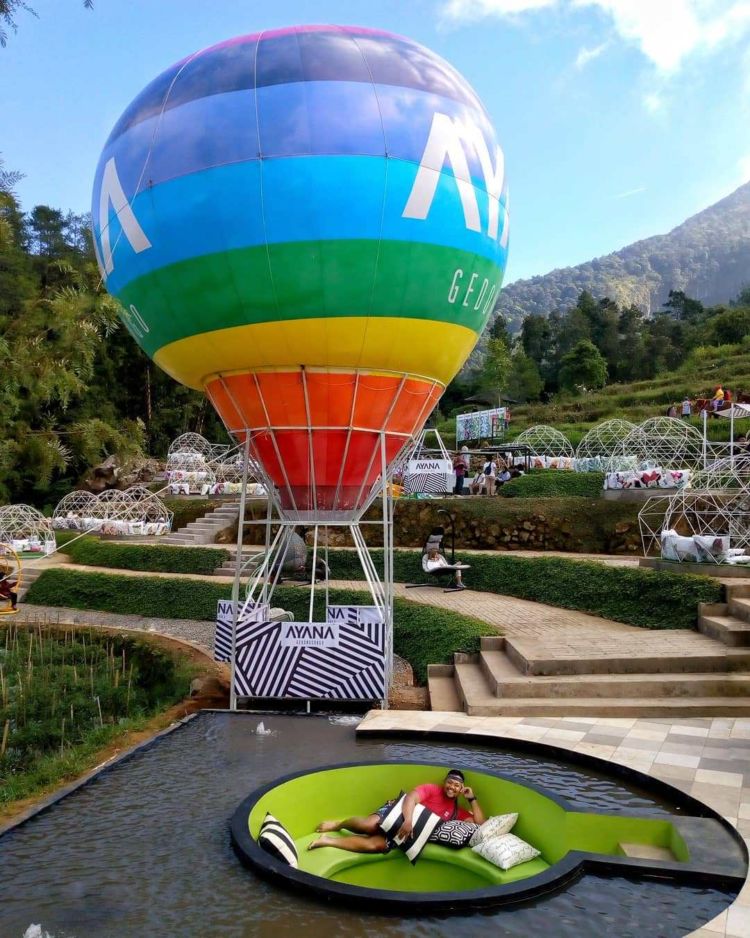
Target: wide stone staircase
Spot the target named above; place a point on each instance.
(204, 530)
(652, 673)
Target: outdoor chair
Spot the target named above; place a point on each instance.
(435, 564)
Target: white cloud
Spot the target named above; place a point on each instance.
(654, 102)
(476, 9)
(666, 31)
(629, 192)
(587, 55)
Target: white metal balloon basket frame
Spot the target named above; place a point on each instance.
(279, 527)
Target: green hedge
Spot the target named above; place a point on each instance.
(651, 599)
(550, 483)
(161, 559)
(422, 634)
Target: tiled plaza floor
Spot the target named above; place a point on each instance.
(706, 758)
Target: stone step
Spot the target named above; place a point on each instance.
(702, 655)
(726, 629)
(739, 608)
(443, 692)
(478, 700)
(28, 576)
(736, 590)
(506, 681)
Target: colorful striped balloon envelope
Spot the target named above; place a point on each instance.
(310, 224)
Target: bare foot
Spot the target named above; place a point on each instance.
(321, 842)
(325, 826)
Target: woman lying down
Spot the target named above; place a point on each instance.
(368, 837)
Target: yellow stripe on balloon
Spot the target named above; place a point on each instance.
(419, 347)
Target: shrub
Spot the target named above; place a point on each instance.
(421, 634)
(550, 483)
(92, 552)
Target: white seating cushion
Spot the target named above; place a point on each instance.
(506, 851)
(494, 827)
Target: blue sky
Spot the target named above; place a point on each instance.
(619, 118)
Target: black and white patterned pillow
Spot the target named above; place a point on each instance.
(455, 834)
(424, 823)
(275, 839)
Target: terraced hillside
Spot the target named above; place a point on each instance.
(574, 415)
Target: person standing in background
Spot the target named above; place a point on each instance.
(687, 408)
(459, 467)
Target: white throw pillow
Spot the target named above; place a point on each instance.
(506, 851)
(712, 547)
(493, 827)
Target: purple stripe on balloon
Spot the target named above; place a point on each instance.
(303, 119)
(288, 30)
(290, 57)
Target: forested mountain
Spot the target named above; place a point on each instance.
(707, 257)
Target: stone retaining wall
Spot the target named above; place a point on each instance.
(577, 525)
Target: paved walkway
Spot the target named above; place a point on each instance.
(708, 759)
(564, 633)
(189, 630)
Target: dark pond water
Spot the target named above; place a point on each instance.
(145, 849)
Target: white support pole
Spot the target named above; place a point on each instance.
(312, 578)
(705, 437)
(387, 573)
(269, 505)
(237, 572)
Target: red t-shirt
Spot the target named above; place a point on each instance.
(434, 798)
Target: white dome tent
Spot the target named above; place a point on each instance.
(602, 442)
(549, 448)
(197, 467)
(195, 443)
(667, 442)
(72, 509)
(661, 452)
(130, 512)
(26, 530)
(706, 526)
(188, 472)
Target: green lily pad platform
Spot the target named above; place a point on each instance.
(689, 849)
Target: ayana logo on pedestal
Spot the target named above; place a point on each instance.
(309, 635)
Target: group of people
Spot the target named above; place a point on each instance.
(721, 396)
(490, 476)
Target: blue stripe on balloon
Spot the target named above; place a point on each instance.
(308, 118)
(312, 198)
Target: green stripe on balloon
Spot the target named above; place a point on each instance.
(235, 288)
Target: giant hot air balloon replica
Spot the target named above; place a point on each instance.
(310, 225)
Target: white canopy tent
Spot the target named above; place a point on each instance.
(731, 413)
